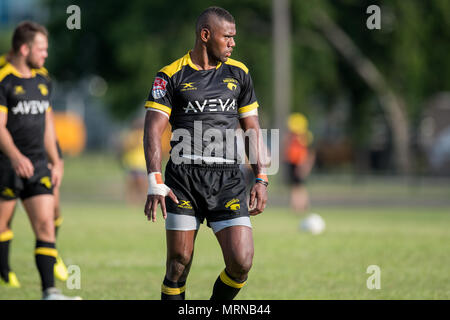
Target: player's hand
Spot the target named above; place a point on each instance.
(152, 202)
(57, 170)
(22, 166)
(258, 199)
(157, 191)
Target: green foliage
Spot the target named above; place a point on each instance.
(128, 42)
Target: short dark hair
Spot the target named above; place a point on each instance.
(25, 33)
(203, 18)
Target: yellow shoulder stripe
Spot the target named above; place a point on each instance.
(237, 64)
(177, 65)
(7, 70)
(3, 109)
(42, 71)
(158, 106)
(3, 61)
(248, 108)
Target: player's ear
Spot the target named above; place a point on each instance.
(205, 34)
(24, 49)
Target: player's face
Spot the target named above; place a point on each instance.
(221, 42)
(38, 51)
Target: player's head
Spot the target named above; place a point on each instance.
(30, 41)
(215, 28)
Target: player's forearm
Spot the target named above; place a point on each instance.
(255, 148)
(50, 138)
(153, 150)
(153, 129)
(7, 145)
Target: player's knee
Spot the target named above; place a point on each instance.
(178, 262)
(241, 264)
(44, 229)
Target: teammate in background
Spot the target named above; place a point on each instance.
(133, 161)
(27, 140)
(60, 268)
(299, 159)
(204, 88)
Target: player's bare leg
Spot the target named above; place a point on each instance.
(7, 277)
(60, 269)
(180, 252)
(237, 248)
(40, 211)
(299, 199)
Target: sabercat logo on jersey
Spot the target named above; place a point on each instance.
(159, 88)
(30, 107)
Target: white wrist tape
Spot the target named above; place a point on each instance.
(156, 185)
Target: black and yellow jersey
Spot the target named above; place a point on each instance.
(206, 103)
(25, 100)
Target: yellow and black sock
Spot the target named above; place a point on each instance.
(5, 240)
(225, 287)
(171, 290)
(58, 223)
(45, 255)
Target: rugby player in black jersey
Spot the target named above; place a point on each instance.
(60, 268)
(204, 92)
(27, 144)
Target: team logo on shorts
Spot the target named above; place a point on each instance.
(233, 204)
(185, 204)
(159, 88)
(8, 192)
(46, 182)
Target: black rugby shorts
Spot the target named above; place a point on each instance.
(12, 186)
(212, 191)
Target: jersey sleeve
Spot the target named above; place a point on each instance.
(160, 96)
(247, 102)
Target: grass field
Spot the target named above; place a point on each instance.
(122, 256)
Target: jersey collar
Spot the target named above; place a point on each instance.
(15, 72)
(192, 64)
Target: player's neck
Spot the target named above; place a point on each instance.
(202, 60)
(21, 66)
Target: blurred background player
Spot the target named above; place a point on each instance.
(60, 268)
(27, 144)
(133, 161)
(299, 160)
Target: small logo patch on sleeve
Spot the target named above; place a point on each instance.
(159, 88)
